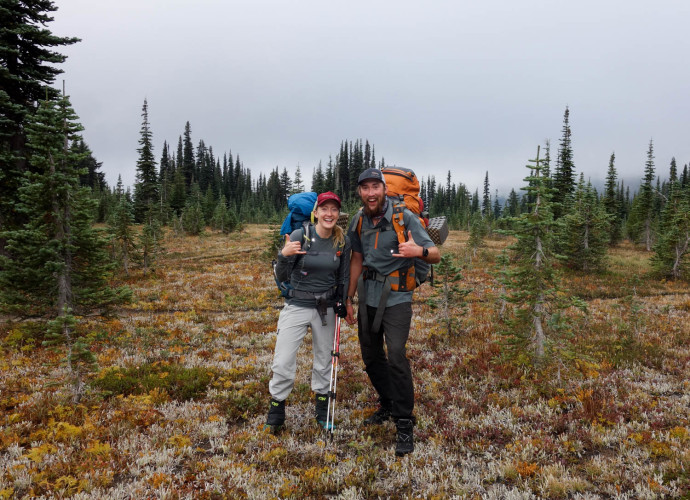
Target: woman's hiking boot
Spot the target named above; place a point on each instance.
(380, 416)
(321, 411)
(404, 443)
(276, 416)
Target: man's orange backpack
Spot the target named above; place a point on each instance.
(403, 183)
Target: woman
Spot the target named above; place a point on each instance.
(318, 273)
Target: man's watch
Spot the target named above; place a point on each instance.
(425, 252)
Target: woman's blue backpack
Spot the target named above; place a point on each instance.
(300, 206)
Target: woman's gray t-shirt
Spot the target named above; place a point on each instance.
(322, 268)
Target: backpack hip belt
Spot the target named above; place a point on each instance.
(400, 280)
(300, 294)
(323, 300)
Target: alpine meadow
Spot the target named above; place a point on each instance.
(550, 348)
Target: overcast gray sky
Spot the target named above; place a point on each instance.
(468, 87)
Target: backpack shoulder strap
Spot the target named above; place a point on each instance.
(398, 221)
(307, 230)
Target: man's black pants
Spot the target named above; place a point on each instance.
(390, 375)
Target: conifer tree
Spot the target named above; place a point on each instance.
(612, 203)
(475, 199)
(223, 218)
(497, 207)
(92, 177)
(486, 200)
(58, 264)
(584, 235)
(192, 218)
(478, 231)
(285, 187)
(146, 194)
(564, 176)
(343, 171)
(318, 180)
(298, 185)
(28, 66)
(122, 238)
(449, 298)
(355, 167)
(208, 204)
(533, 283)
(673, 171)
(187, 157)
(178, 196)
(58, 261)
(672, 247)
(512, 208)
(645, 209)
(150, 242)
(165, 175)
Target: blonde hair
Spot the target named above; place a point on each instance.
(338, 236)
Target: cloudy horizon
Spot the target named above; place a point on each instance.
(434, 87)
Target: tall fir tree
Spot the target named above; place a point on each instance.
(564, 176)
(318, 180)
(486, 200)
(166, 173)
(298, 184)
(92, 176)
(673, 171)
(187, 157)
(671, 251)
(58, 260)
(146, 188)
(285, 187)
(28, 66)
(533, 284)
(612, 203)
(343, 171)
(647, 198)
(57, 263)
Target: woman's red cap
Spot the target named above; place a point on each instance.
(327, 196)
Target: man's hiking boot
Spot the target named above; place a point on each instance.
(321, 411)
(380, 416)
(404, 443)
(276, 416)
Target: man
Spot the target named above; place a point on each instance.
(378, 260)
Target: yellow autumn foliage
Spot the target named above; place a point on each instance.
(179, 441)
(36, 454)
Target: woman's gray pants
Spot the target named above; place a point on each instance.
(292, 327)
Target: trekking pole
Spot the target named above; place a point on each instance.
(335, 356)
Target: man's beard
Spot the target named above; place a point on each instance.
(378, 209)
